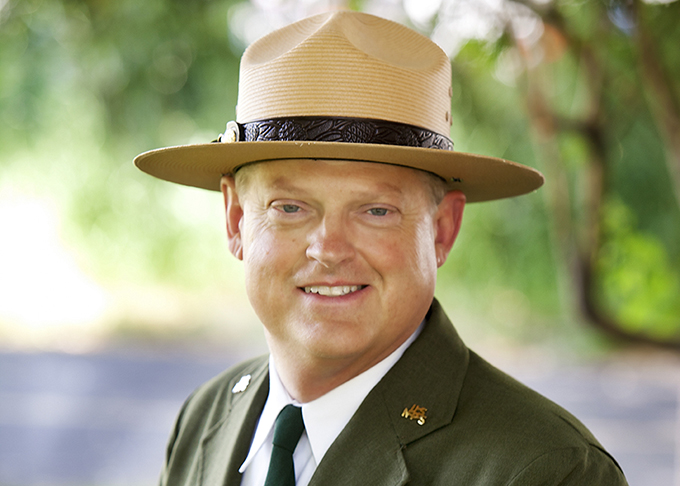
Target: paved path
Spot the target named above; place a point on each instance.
(104, 419)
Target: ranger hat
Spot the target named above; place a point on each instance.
(343, 86)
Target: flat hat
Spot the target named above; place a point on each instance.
(343, 86)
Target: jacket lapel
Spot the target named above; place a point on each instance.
(366, 452)
(430, 376)
(424, 384)
(225, 446)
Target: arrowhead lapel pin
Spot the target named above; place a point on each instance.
(241, 385)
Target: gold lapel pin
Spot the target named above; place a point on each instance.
(415, 413)
(241, 385)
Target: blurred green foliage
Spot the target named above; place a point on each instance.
(637, 276)
(85, 85)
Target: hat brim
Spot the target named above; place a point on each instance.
(479, 177)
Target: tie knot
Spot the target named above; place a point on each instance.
(288, 427)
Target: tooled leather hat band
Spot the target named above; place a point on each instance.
(334, 129)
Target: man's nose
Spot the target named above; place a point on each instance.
(329, 243)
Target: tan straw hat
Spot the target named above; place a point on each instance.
(344, 86)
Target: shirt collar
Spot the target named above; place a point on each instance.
(328, 415)
(277, 399)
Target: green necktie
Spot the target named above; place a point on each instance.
(287, 431)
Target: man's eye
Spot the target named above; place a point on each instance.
(378, 211)
(290, 208)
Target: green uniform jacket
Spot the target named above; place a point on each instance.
(481, 427)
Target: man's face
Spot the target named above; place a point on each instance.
(340, 257)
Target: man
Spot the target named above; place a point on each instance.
(343, 196)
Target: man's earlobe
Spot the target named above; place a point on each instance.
(449, 217)
(234, 215)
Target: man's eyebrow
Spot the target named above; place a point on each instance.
(380, 189)
(387, 187)
(285, 183)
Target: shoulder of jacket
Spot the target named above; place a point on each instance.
(511, 408)
(572, 466)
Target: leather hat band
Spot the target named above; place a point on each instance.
(334, 129)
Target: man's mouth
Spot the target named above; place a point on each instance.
(333, 291)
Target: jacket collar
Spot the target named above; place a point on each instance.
(429, 375)
(247, 394)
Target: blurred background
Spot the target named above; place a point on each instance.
(118, 295)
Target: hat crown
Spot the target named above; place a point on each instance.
(347, 64)
(343, 86)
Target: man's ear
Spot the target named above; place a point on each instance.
(234, 214)
(448, 219)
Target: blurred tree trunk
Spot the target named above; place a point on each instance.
(578, 236)
(663, 99)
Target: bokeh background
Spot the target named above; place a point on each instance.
(117, 292)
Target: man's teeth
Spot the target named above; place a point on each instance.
(332, 291)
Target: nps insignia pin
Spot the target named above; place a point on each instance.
(241, 385)
(415, 413)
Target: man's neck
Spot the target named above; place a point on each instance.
(308, 378)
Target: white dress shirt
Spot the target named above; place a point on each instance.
(324, 419)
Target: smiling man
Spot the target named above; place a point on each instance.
(341, 260)
(343, 197)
